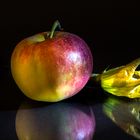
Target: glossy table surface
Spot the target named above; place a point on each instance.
(115, 118)
(112, 31)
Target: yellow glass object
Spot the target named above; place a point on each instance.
(122, 81)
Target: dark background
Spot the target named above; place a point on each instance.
(110, 28)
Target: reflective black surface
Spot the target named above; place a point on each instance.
(56, 121)
(125, 113)
(33, 114)
(110, 28)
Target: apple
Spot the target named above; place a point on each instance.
(60, 121)
(51, 66)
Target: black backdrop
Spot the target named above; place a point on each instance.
(110, 28)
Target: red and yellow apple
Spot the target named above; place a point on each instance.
(51, 66)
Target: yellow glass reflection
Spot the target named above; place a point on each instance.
(125, 113)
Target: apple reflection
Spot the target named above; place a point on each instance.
(60, 121)
(125, 113)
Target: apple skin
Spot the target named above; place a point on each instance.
(51, 69)
(60, 121)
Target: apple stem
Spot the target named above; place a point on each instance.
(55, 25)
